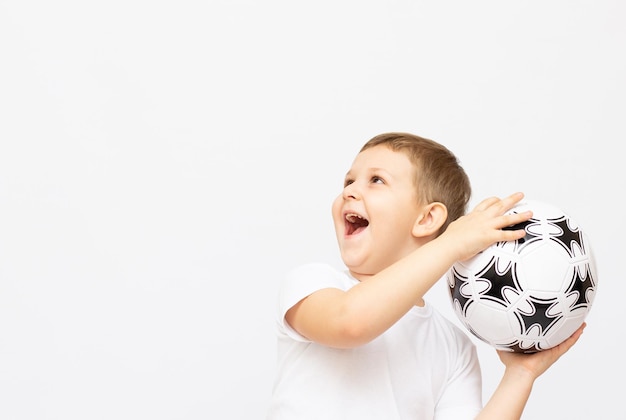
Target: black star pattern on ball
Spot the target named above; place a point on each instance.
(498, 281)
(568, 237)
(455, 290)
(539, 316)
(581, 286)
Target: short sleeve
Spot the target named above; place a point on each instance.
(300, 283)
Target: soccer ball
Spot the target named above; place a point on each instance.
(531, 294)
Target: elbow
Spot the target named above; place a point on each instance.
(351, 333)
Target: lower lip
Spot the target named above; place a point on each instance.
(355, 232)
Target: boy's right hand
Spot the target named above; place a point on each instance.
(483, 226)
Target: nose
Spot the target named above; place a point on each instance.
(350, 191)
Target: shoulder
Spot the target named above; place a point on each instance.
(317, 276)
(305, 279)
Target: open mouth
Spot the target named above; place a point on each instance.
(355, 223)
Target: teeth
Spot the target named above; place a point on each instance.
(352, 217)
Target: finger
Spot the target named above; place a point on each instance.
(512, 219)
(486, 203)
(514, 198)
(509, 202)
(500, 205)
(508, 235)
(510, 226)
(567, 344)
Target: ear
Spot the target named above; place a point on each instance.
(430, 220)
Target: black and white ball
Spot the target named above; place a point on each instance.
(531, 294)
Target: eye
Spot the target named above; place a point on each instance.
(377, 180)
(347, 182)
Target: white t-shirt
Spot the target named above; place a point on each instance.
(423, 367)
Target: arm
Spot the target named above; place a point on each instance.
(521, 371)
(354, 317)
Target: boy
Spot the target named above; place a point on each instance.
(362, 343)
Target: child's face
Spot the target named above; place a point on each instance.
(375, 213)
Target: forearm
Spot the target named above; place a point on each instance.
(379, 301)
(351, 318)
(510, 397)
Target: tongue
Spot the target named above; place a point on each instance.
(358, 226)
(358, 229)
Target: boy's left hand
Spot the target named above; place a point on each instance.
(537, 363)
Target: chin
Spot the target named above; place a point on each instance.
(359, 267)
(352, 262)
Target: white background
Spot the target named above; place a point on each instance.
(163, 164)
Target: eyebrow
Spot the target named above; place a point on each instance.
(373, 170)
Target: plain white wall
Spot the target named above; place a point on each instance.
(162, 164)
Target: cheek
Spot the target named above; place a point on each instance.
(336, 208)
(338, 222)
(401, 222)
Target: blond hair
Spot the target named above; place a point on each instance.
(439, 176)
